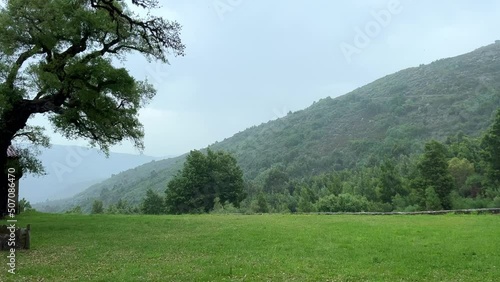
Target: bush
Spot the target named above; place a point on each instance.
(412, 208)
(432, 200)
(218, 208)
(75, 210)
(226, 208)
(260, 204)
(97, 207)
(328, 203)
(469, 203)
(399, 202)
(495, 203)
(342, 203)
(24, 205)
(153, 203)
(380, 207)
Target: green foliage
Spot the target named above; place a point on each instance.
(474, 186)
(464, 147)
(459, 202)
(460, 170)
(343, 203)
(123, 207)
(153, 203)
(24, 205)
(75, 210)
(491, 145)
(276, 181)
(203, 178)
(306, 200)
(260, 206)
(58, 58)
(495, 203)
(399, 202)
(28, 162)
(328, 204)
(97, 207)
(432, 200)
(433, 172)
(226, 208)
(93, 99)
(390, 182)
(218, 208)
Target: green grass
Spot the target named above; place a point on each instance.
(258, 248)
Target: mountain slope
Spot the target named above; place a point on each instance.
(72, 169)
(391, 116)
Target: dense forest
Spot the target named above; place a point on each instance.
(366, 150)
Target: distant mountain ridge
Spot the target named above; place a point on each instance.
(391, 116)
(72, 169)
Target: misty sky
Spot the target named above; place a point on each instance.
(250, 61)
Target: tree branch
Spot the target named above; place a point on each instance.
(18, 64)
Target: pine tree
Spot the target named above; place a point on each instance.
(390, 183)
(433, 170)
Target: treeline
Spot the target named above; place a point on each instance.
(462, 172)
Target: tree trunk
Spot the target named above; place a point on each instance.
(10, 123)
(3, 176)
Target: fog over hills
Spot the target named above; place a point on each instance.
(72, 169)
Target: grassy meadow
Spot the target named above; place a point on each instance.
(274, 247)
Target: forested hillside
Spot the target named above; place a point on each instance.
(385, 121)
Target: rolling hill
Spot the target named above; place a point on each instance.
(391, 116)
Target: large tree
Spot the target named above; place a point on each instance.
(202, 179)
(390, 182)
(434, 173)
(56, 59)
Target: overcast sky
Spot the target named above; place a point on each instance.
(251, 61)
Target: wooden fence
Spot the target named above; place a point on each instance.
(464, 211)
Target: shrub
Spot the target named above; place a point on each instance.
(412, 208)
(153, 203)
(97, 207)
(342, 203)
(75, 210)
(469, 203)
(495, 203)
(432, 201)
(24, 205)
